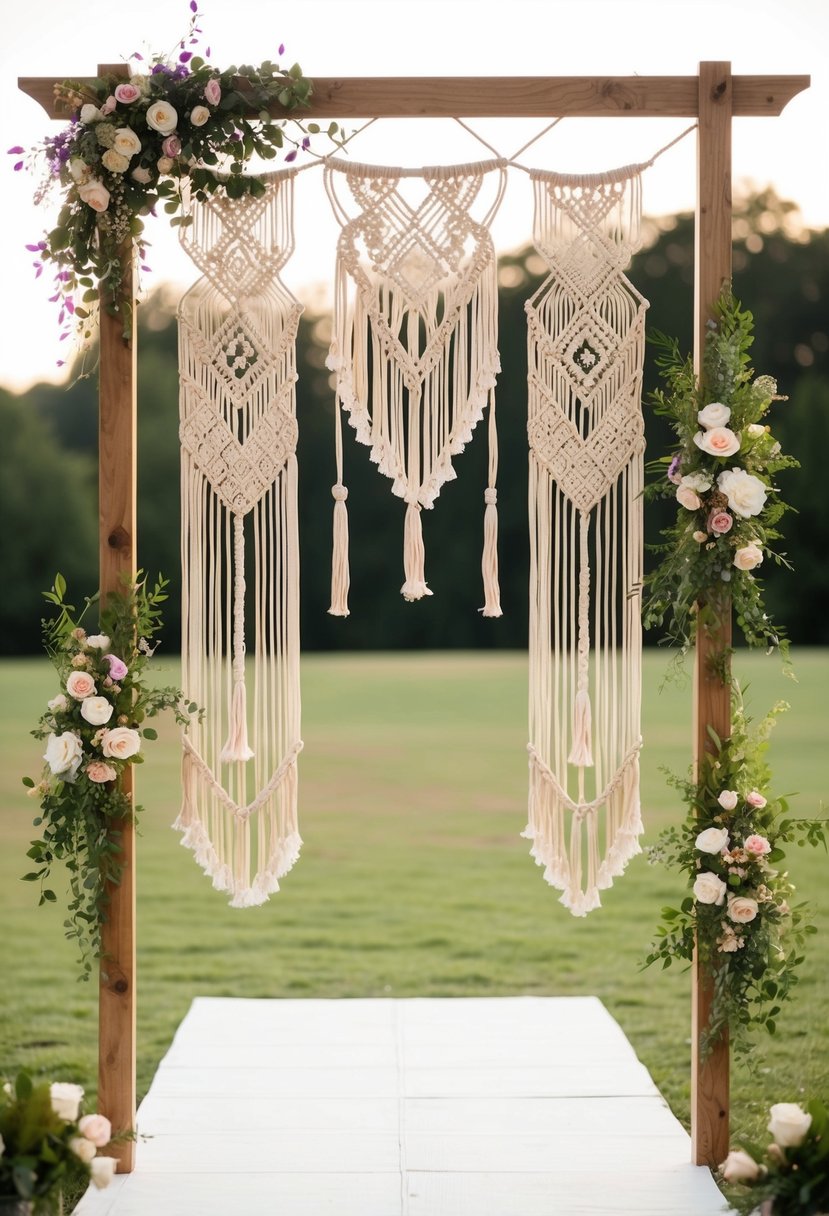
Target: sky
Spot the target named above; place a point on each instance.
(422, 37)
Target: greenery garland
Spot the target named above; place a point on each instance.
(135, 143)
(738, 911)
(94, 729)
(722, 475)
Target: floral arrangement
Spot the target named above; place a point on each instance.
(132, 144)
(47, 1146)
(791, 1178)
(738, 910)
(722, 475)
(94, 729)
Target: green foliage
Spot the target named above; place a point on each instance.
(93, 733)
(737, 914)
(793, 1173)
(38, 1161)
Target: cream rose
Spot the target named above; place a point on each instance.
(741, 909)
(114, 161)
(712, 840)
(739, 1167)
(126, 142)
(688, 498)
(66, 1100)
(97, 711)
(97, 1129)
(199, 116)
(746, 494)
(121, 742)
(749, 557)
(100, 773)
(728, 799)
(788, 1124)
(164, 164)
(79, 170)
(80, 685)
(63, 753)
(82, 1148)
(719, 441)
(102, 1171)
(98, 641)
(90, 113)
(94, 194)
(699, 537)
(709, 889)
(715, 414)
(162, 117)
(757, 845)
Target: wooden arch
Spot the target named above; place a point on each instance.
(714, 97)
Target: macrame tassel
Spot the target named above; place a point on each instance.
(581, 751)
(414, 556)
(236, 747)
(489, 560)
(188, 814)
(340, 576)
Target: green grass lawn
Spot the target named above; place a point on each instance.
(414, 880)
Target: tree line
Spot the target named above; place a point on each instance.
(48, 493)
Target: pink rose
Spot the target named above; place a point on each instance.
(718, 441)
(80, 685)
(720, 522)
(212, 92)
(117, 667)
(758, 845)
(127, 94)
(96, 1128)
(100, 773)
(688, 498)
(742, 909)
(171, 146)
(109, 105)
(120, 743)
(755, 798)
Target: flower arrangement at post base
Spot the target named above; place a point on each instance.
(722, 475)
(47, 1147)
(93, 730)
(791, 1177)
(132, 144)
(738, 912)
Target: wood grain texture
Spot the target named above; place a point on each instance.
(509, 96)
(117, 527)
(712, 697)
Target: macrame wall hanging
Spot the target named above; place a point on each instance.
(415, 344)
(237, 334)
(586, 439)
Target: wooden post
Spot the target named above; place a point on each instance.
(712, 697)
(117, 523)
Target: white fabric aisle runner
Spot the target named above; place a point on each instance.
(519, 1106)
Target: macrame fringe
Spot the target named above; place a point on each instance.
(340, 576)
(414, 556)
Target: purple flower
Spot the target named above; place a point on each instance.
(194, 8)
(117, 667)
(16, 150)
(291, 155)
(281, 50)
(185, 56)
(673, 468)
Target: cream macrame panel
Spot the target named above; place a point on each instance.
(586, 438)
(415, 343)
(238, 431)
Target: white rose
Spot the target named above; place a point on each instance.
(63, 753)
(126, 142)
(756, 430)
(96, 710)
(199, 116)
(90, 113)
(102, 1170)
(164, 164)
(121, 742)
(66, 1100)
(741, 909)
(58, 704)
(142, 175)
(162, 117)
(728, 799)
(709, 889)
(114, 161)
(714, 414)
(98, 641)
(79, 170)
(688, 498)
(94, 194)
(788, 1124)
(712, 840)
(718, 441)
(739, 1167)
(749, 557)
(82, 1148)
(700, 482)
(80, 684)
(746, 494)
